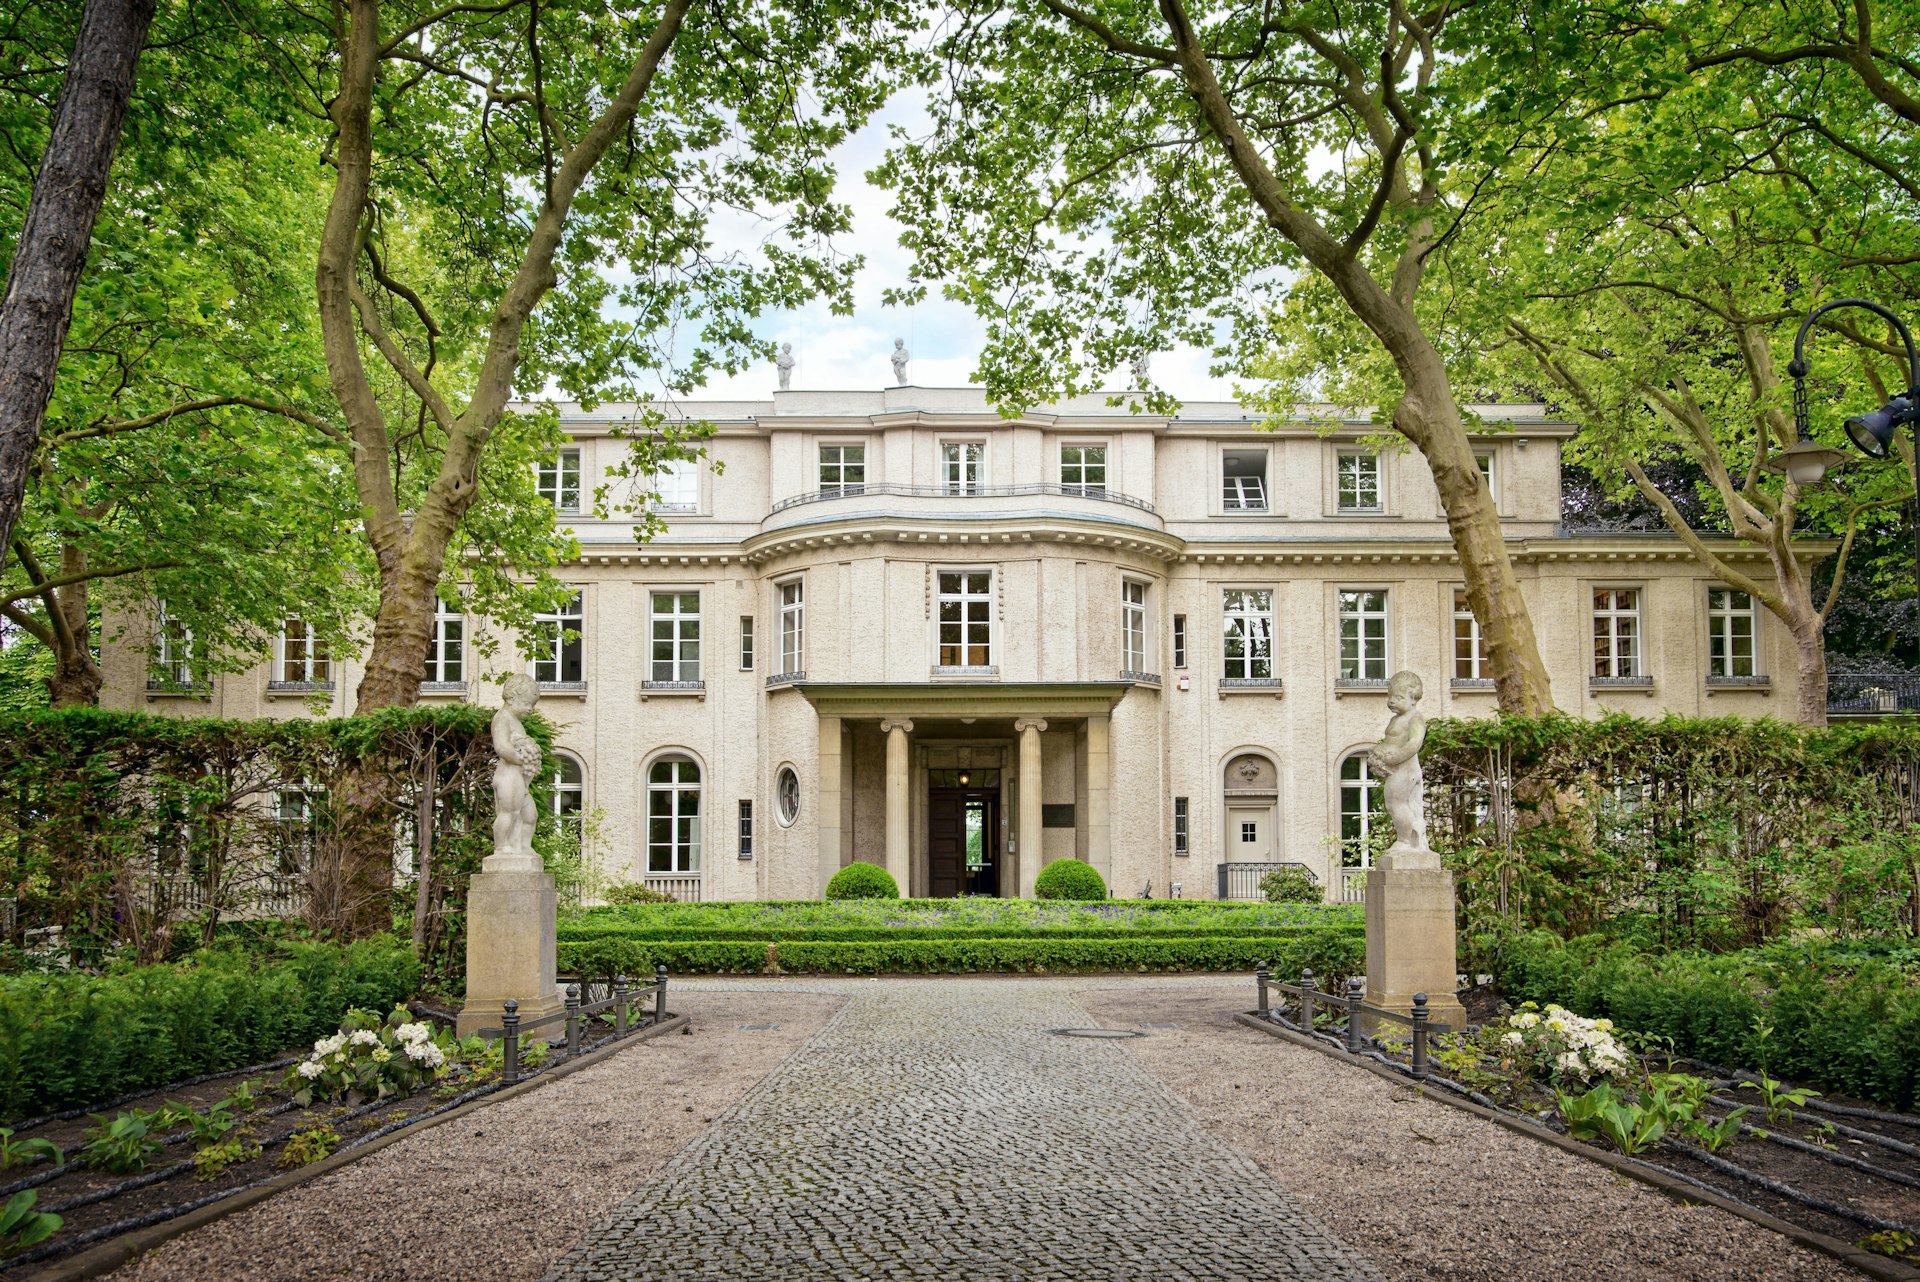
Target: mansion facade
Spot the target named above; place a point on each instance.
(904, 629)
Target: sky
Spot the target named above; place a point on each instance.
(839, 353)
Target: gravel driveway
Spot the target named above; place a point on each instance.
(1427, 1191)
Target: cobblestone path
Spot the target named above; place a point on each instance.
(936, 1129)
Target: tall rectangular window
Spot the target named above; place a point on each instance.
(446, 653)
(675, 623)
(1083, 469)
(1247, 637)
(1469, 647)
(558, 645)
(676, 486)
(172, 650)
(746, 643)
(1363, 636)
(966, 618)
(960, 463)
(746, 830)
(843, 469)
(1359, 483)
(1616, 633)
(1485, 460)
(1179, 640)
(303, 655)
(1730, 628)
(793, 626)
(558, 481)
(1243, 481)
(1133, 625)
(1182, 842)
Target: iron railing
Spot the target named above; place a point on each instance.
(620, 1002)
(1875, 694)
(1096, 492)
(1307, 996)
(1241, 880)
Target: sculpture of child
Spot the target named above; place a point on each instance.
(1396, 758)
(514, 812)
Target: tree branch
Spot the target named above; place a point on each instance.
(113, 427)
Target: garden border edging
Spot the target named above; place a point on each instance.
(1876, 1266)
(107, 1256)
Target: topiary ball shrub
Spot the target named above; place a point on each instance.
(863, 881)
(1069, 879)
(1291, 886)
(623, 893)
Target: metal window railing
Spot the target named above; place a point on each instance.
(1096, 492)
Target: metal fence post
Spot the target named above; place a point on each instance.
(660, 993)
(510, 1030)
(619, 1005)
(1420, 1037)
(573, 1019)
(1307, 990)
(1265, 1008)
(1356, 990)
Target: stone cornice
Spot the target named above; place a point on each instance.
(864, 699)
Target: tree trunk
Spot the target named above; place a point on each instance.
(67, 192)
(76, 678)
(1810, 658)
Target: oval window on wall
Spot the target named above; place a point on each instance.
(786, 790)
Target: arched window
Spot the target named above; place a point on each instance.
(1362, 811)
(673, 816)
(569, 797)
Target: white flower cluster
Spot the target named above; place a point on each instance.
(417, 1041)
(1568, 1044)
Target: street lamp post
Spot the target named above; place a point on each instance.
(1872, 434)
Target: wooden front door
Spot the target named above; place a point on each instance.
(962, 842)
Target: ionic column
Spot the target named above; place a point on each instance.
(899, 838)
(1029, 728)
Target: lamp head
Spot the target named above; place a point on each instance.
(1872, 434)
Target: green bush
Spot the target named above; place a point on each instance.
(633, 892)
(1069, 879)
(862, 881)
(1291, 886)
(1843, 1019)
(70, 1040)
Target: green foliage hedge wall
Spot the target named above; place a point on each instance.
(73, 1040)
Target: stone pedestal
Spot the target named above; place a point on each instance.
(1410, 942)
(510, 948)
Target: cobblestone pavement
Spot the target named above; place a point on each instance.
(937, 1129)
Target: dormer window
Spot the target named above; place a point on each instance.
(1243, 480)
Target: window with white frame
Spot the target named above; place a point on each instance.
(1362, 811)
(1182, 827)
(1616, 634)
(843, 469)
(1730, 633)
(558, 481)
(674, 621)
(961, 466)
(303, 655)
(746, 643)
(1243, 480)
(793, 626)
(676, 486)
(1179, 640)
(673, 816)
(569, 799)
(558, 645)
(746, 830)
(1083, 469)
(1469, 647)
(296, 819)
(1359, 482)
(965, 618)
(172, 650)
(446, 652)
(1247, 634)
(1133, 625)
(1485, 459)
(1363, 635)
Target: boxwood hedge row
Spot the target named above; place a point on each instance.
(881, 934)
(73, 1040)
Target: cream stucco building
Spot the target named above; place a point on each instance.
(901, 628)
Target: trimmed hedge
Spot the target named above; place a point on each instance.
(860, 880)
(1840, 1018)
(583, 932)
(1069, 879)
(1331, 954)
(73, 1040)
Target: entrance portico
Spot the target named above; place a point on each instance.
(964, 789)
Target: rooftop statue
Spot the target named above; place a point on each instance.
(784, 363)
(899, 359)
(514, 812)
(1140, 364)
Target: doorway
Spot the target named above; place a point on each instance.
(963, 833)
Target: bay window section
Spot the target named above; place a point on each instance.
(965, 621)
(1083, 469)
(843, 469)
(960, 466)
